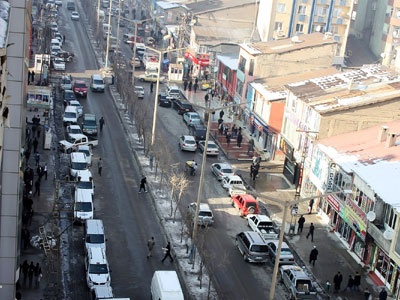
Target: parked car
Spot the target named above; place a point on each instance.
(252, 247)
(174, 92)
(80, 88)
(136, 61)
(298, 283)
(198, 131)
(246, 204)
(163, 100)
(221, 170)
(68, 95)
(139, 91)
(234, 185)
(187, 143)
(263, 225)
(191, 118)
(77, 104)
(212, 148)
(58, 64)
(182, 106)
(66, 82)
(75, 16)
(73, 129)
(286, 257)
(65, 55)
(87, 151)
(205, 218)
(151, 77)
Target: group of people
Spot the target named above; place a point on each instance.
(187, 85)
(166, 249)
(29, 271)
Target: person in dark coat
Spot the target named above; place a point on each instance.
(38, 275)
(168, 252)
(383, 294)
(310, 206)
(313, 255)
(195, 86)
(301, 222)
(25, 237)
(143, 183)
(37, 188)
(29, 77)
(239, 139)
(151, 87)
(255, 171)
(350, 284)
(221, 114)
(311, 232)
(101, 122)
(337, 281)
(25, 268)
(357, 281)
(38, 131)
(185, 85)
(35, 145)
(228, 138)
(31, 272)
(190, 86)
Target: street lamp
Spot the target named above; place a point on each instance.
(108, 34)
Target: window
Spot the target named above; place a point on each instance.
(251, 67)
(278, 26)
(242, 64)
(239, 87)
(301, 10)
(390, 216)
(281, 7)
(396, 32)
(299, 27)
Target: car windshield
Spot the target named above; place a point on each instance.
(87, 152)
(80, 85)
(265, 225)
(98, 81)
(95, 238)
(194, 117)
(65, 81)
(70, 115)
(90, 123)
(186, 105)
(83, 206)
(79, 165)
(205, 214)
(227, 171)
(69, 95)
(86, 185)
(190, 142)
(259, 248)
(75, 130)
(98, 269)
(286, 251)
(212, 146)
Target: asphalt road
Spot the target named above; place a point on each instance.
(129, 218)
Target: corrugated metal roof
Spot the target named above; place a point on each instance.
(230, 61)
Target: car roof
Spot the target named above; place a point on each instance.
(188, 137)
(204, 206)
(276, 242)
(224, 165)
(80, 81)
(297, 271)
(209, 142)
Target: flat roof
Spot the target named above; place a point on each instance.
(349, 89)
(288, 45)
(231, 61)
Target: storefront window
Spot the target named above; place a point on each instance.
(359, 247)
(384, 266)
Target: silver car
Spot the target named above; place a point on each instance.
(286, 257)
(187, 143)
(206, 217)
(220, 170)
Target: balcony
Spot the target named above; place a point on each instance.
(376, 231)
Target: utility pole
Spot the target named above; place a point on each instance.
(108, 34)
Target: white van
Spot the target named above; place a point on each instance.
(94, 234)
(85, 182)
(83, 207)
(97, 83)
(102, 292)
(165, 286)
(97, 270)
(71, 115)
(78, 163)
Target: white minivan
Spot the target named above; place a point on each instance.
(165, 285)
(94, 234)
(97, 83)
(71, 115)
(97, 270)
(83, 207)
(78, 164)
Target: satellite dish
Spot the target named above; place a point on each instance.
(371, 216)
(388, 235)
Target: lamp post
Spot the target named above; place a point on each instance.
(119, 20)
(108, 34)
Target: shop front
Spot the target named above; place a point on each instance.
(291, 170)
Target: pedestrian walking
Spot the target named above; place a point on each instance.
(234, 131)
(255, 171)
(101, 122)
(185, 85)
(383, 294)
(251, 171)
(221, 114)
(25, 237)
(190, 86)
(228, 138)
(37, 159)
(151, 87)
(350, 284)
(195, 86)
(38, 131)
(35, 144)
(357, 281)
(167, 250)
(367, 294)
(313, 255)
(143, 183)
(239, 139)
(31, 272)
(301, 222)
(150, 246)
(250, 147)
(206, 97)
(38, 275)
(311, 232)
(221, 128)
(33, 77)
(37, 188)
(337, 281)
(25, 268)
(99, 166)
(29, 77)
(310, 206)
(45, 171)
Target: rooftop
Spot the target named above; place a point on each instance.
(288, 45)
(341, 91)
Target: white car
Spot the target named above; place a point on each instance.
(212, 148)
(75, 16)
(59, 64)
(151, 77)
(220, 170)
(206, 217)
(139, 91)
(66, 82)
(187, 143)
(58, 2)
(191, 118)
(88, 153)
(78, 106)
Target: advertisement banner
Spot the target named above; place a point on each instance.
(355, 218)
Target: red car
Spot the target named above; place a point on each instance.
(80, 88)
(246, 204)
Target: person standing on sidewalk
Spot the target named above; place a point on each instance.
(367, 294)
(190, 86)
(45, 171)
(100, 166)
(311, 232)
(167, 250)
(151, 87)
(143, 183)
(38, 275)
(350, 284)
(195, 86)
(301, 222)
(37, 188)
(228, 138)
(31, 271)
(337, 281)
(239, 139)
(313, 255)
(310, 206)
(357, 281)
(383, 294)
(150, 246)
(25, 268)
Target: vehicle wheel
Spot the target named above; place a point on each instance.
(245, 257)
(251, 210)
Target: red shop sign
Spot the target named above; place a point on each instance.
(335, 204)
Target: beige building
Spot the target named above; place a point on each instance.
(279, 19)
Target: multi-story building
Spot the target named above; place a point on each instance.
(287, 18)
(332, 105)
(14, 50)
(360, 170)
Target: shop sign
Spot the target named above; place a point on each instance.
(355, 218)
(201, 60)
(331, 177)
(286, 148)
(333, 202)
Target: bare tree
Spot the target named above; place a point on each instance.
(184, 183)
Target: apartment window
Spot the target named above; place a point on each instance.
(397, 13)
(299, 27)
(239, 87)
(278, 26)
(396, 32)
(251, 67)
(281, 7)
(390, 217)
(301, 10)
(321, 11)
(242, 64)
